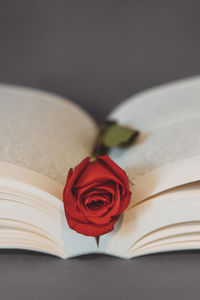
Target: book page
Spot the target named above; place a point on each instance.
(166, 154)
(33, 219)
(165, 222)
(42, 136)
(167, 151)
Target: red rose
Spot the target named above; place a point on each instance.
(95, 195)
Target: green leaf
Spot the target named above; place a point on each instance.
(112, 134)
(116, 135)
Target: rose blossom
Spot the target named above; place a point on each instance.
(95, 195)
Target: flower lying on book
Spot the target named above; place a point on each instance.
(95, 195)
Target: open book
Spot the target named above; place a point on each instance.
(43, 135)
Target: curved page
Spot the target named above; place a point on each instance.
(42, 136)
(174, 214)
(42, 132)
(167, 152)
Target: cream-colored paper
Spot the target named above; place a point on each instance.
(43, 132)
(167, 152)
(169, 213)
(42, 136)
(166, 155)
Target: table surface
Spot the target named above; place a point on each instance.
(98, 53)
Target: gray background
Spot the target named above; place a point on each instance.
(98, 53)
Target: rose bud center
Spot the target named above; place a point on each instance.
(95, 204)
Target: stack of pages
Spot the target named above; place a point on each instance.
(43, 135)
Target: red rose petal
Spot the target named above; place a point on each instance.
(91, 230)
(95, 195)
